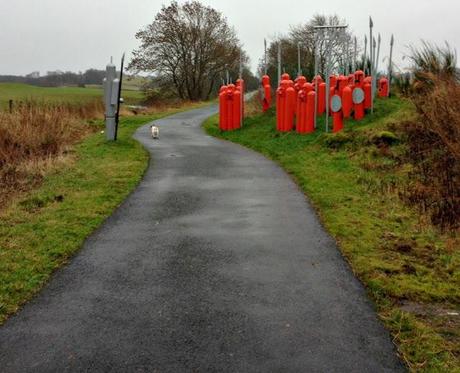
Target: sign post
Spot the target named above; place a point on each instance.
(117, 117)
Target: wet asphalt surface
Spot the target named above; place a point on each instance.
(216, 263)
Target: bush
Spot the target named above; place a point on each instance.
(434, 150)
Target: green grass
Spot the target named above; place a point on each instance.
(40, 231)
(20, 92)
(409, 268)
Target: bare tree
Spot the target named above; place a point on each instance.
(189, 46)
(304, 35)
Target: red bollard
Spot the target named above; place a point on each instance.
(342, 82)
(267, 93)
(310, 112)
(337, 121)
(351, 79)
(289, 109)
(358, 102)
(332, 81)
(223, 115)
(359, 78)
(230, 103)
(301, 111)
(280, 103)
(321, 98)
(383, 87)
(367, 87)
(347, 101)
(240, 85)
(237, 108)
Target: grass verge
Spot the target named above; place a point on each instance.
(410, 269)
(41, 230)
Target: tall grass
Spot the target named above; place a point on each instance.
(434, 135)
(434, 151)
(34, 137)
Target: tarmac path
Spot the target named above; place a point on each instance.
(215, 263)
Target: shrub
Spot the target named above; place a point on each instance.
(434, 150)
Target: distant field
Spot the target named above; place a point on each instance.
(20, 92)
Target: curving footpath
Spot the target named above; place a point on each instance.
(216, 263)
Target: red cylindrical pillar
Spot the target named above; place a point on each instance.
(300, 115)
(359, 111)
(289, 108)
(347, 101)
(383, 87)
(237, 109)
(321, 98)
(280, 100)
(337, 121)
(310, 112)
(367, 95)
(223, 108)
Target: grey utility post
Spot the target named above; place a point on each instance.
(390, 64)
(371, 48)
(111, 83)
(330, 41)
(279, 62)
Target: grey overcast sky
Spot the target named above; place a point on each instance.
(74, 35)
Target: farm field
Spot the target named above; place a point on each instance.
(22, 92)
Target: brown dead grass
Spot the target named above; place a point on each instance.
(434, 150)
(36, 137)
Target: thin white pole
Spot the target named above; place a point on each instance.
(279, 62)
(390, 64)
(371, 48)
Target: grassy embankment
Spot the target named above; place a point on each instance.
(42, 229)
(20, 92)
(353, 179)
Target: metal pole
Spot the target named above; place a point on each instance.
(279, 62)
(241, 89)
(390, 64)
(355, 51)
(299, 70)
(316, 80)
(377, 64)
(365, 54)
(371, 25)
(117, 117)
(265, 56)
(228, 77)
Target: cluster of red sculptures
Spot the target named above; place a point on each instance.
(348, 96)
(231, 106)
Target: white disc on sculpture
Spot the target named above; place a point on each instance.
(358, 96)
(336, 103)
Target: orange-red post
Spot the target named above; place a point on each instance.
(383, 87)
(321, 98)
(267, 90)
(310, 112)
(367, 87)
(347, 101)
(223, 116)
(280, 105)
(289, 108)
(337, 121)
(237, 108)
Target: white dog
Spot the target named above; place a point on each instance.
(155, 132)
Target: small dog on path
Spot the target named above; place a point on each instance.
(155, 132)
